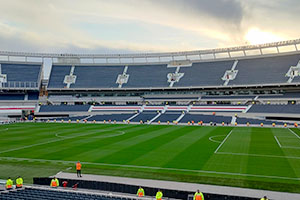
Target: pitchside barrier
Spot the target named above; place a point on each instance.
(132, 189)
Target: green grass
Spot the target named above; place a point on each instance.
(234, 156)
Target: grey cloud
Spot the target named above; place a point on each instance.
(230, 11)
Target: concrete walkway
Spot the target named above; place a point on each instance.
(181, 186)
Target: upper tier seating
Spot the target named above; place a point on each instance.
(264, 70)
(57, 76)
(96, 77)
(250, 71)
(291, 109)
(204, 74)
(64, 108)
(21, 75)
(148, 76)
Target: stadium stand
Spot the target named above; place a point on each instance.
(148, 76)
(64, 108)
(269, 70)
(12, 96)
(168, 117)
(144, 116)
(43, 193)
(205, 118)
(204, 74)
(96, 77)
(21, 75)
(112, 117)
(241, 120)
(58, 73)
(292, 109)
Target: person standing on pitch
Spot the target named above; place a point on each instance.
(140, 192)
(198, 195)
(78, 169)
(159, 195)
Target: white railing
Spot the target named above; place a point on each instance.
(210, 54)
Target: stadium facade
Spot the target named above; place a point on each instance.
(259, 82)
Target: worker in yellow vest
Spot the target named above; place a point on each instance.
(140, 192)
(9, 184)
(265, 198)
(198, 195)
(54, 182)
(159, 195)
(78, 169)
(19, 182)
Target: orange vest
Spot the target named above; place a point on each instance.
(198, 197)
(9, 186)
(78, 166)
(53, 183)
(140, 194)
(19, 185)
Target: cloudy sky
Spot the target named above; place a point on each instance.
(125, 26)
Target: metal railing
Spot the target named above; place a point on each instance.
(19, 84)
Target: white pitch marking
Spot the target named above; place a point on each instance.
(211, 138)
(258, 155)
(294, 133)
(277, 141)
(223, 141)
(156, 168)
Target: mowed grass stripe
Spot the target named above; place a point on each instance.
(115, 149)
(294, 163)
(57, 145)
(197, 154)
(43, 140)
(22, 139)
(165, 149)
(263, 142)
(134, 151)
(84, 144)
(236, 142)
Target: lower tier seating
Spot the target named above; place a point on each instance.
(38, 194)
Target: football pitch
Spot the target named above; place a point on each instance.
(253, 157)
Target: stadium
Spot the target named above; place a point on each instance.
(218, 117)
(125, 115)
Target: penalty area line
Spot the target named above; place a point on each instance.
(278, 141)
(154, 168)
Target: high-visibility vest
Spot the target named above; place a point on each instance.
(78, 166)
(19, 182)
(159, 195)
(54, 183)
(198, 196)
(264, 199)
(140, 192)
(9, 184)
